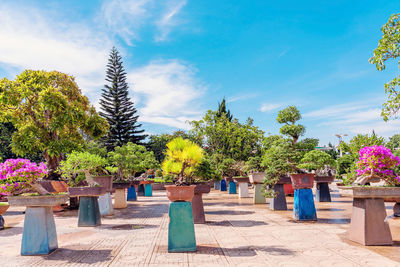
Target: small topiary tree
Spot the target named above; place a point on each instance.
(316, 160)
(289, 116)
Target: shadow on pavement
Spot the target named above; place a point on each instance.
(238, 223)
(80, 256)
(250, 251)
(229, 212)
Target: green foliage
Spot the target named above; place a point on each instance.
(289, 116)
(159, 173)
(359, 141)
(228, 138)
(343, 164)
(222, 111)
(394, 142)
(96, 148)
(49, 113)
(316, 160)
(72, 168)
(130, 159)
(182, 157)
(205, 171)
(389, 48)
(254, 164)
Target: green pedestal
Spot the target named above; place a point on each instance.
(89, 212)
(258, 197)
(181, 237)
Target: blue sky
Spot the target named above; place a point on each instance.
(183, 56)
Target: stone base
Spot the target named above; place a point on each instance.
(368, 226)
(105, 205)
(120, 199)
(89, 212)
(131, 196)
(258, 197)
(217, 185)
(148, 192)
(232, 187)
(303, 206)
(198, 209)
(243, 190)
(322, 194)
(396, 210)
(39, 236)
(223, 185)
(181, 237)
(140, 191)
(279, 202)
(1, 223)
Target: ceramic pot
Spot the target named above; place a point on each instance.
(180, 193)
(38, 201)
(202, 189)
(146, 182)
(105, 181)
(304, 180)
(256, 177)
(4, 208)
(324, 179)
(243, 179)
(121, 185)
(87, 191)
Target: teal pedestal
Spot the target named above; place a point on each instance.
(89, 212)
(131, 196)
(223, 185)
(181, 237)
(148, 192)
(232, 187)
(303, 206)
(217, 185)
(39, 236)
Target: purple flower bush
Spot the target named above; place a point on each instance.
(19, 174)
(378, 161)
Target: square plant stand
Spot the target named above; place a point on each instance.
(303, 206)
(89, 212)
(322, 194)
(105, 205)
(148, 192)
(181, 236)
(131, 196)
(217, 185)
(279, 202)
(223, 185)
(232, 187)
(258, 197)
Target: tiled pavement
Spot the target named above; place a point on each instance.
(238, 233)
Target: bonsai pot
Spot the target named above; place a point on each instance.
(324, 179)
(121, 185)
(3, 207)
(368, 219)
(256, 177)
(284, 180)
(135, 182)
(228, 179)
(146, 182)
(105, 181)
(241, 179)
(301, 181)
(86, 191)
(180, 193)
(197, 202)
(39, 236)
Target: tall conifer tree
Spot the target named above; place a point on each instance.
(117, 107)
(222, 110)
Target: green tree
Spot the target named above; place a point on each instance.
(50, 115)
(389, 48)
(316, 160)
(394, 142)
(117, 107)
(223, 111)
(359, 141)
(289, 116)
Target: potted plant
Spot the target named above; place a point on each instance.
(255, 170)
(241, 179)
(320, 163)
(182, 157)
(78, 170)
(19, 183)
(376, 165)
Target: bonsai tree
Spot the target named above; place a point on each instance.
(130, 159)
(182, 157)
(253, 164)
(81, 166)
(50, 115)
(377, 163)
(317, 161)
(288, 117)
(18, 176)
(205, 170)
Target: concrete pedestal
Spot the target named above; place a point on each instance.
(131, 196)
(396, 210)
(120, 199)
(89, 212)
(217, 185)
(105, 205)
(140, 191)
(303, 206)
(232, 187)
(148, 192)
(223, 185)
(1, 223)
(39, 236)
(243, 190)
(258, 197)
(368, 226)
(322, 194)
(198, 209)
(181, 237)
(279, 202)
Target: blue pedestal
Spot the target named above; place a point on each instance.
(232, 187)
(217, 185)
(323, 194)
(1, 222)
(181, 236)
(223, 185)
(148, 192)
(140, 191)
(303, 206)
(89, 212)
(39, 236)
(131, 194)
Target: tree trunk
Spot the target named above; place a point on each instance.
(52, 164)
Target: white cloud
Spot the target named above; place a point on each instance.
(168, 19)
(269, 107)
(169, 90)
(241, 97)
(33, 39)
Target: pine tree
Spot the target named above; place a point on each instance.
(117, 107)
(222, 110)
